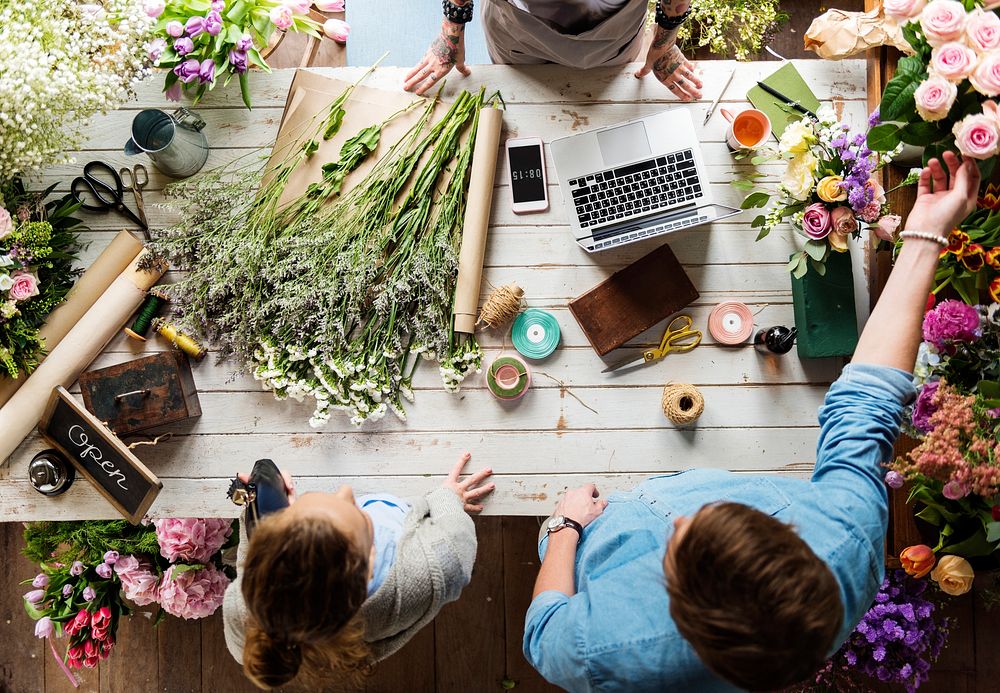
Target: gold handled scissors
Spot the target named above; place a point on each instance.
(678, 337)
(135, 179)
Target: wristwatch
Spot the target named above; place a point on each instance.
(558, 522)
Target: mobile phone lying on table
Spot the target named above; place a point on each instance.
(528, 184)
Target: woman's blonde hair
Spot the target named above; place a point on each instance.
(304, 582)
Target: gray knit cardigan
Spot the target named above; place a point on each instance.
(433, 564)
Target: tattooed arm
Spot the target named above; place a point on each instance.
(665, 60)
(447, 51)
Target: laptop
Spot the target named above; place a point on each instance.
(628, 182)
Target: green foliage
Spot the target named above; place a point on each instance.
(897, 99)
(730, 28)
(965, 527)
(86, 540)
(884, 137)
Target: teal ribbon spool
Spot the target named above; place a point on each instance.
(535, 333)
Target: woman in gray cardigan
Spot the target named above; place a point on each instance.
(333, 584)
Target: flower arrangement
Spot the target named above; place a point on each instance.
(199, 41)
(38, 245)
(731, 28)
(62, 63)
(93, 571)
(971, 264)
(943, 96)
(827, 190)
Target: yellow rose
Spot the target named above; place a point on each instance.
(953, 575)
(798, 178)
(829, 189)
(797, 137)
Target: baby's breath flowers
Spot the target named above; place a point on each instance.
(731, 28)
(60, 63)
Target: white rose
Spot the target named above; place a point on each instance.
(5, 282)
(797, 137)
(798, 179)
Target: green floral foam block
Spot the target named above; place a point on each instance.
(824, 310)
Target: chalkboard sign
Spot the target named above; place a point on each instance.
(99, 455)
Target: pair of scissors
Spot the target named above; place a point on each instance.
(678, 337)
(135, 179)
(106, 195)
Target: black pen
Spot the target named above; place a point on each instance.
(794, 104)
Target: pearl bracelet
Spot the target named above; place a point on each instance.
(923, 235)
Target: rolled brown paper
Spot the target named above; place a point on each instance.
(84, 294)
(477, 219)
(75, 352)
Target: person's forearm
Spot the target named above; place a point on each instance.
(667, 37)
(558, 569)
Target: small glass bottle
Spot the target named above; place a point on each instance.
(50, 473)
(776, 340)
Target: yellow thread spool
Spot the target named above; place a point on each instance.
(179, 339)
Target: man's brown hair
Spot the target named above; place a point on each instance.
(757, 605)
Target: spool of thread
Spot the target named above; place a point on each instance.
(179, 339)
(777, 340)
(501, 306)
(150, 308)
(535, 333)
(682, 403)
(730, 323)
(508, 378)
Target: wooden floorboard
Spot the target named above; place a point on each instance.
(21, 663)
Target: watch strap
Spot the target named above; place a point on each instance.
(572, 524)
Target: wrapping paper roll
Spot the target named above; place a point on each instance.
(75, 352)
(477, 219)
(84, 294)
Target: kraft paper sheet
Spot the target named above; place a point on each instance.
(75, 352)
(838, 34)
(88, 288)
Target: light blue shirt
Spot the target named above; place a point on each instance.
(616, 634)
(387, 513)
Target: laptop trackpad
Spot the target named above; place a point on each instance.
(625, 143)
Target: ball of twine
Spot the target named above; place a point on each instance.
(501, 306)
(682, 403)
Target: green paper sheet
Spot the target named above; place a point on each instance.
(789, 82)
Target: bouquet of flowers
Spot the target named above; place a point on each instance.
(827, 190)
(971, 263)
(62, 63)
(38, 245)
(199, 41)
(944, 96)
(730, 28)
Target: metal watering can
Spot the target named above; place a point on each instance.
(174, 141)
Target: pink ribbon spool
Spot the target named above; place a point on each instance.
(730, 323)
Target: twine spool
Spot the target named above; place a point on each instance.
(535, 333)
(155, 300)
(179, 339)
(501, 306)
(682, 403)
(508, 378)
(730, 323)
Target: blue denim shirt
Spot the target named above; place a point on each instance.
(616, 634)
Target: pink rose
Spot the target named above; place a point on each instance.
(878, 192)
(337, 29)
(954, 61)
(943, 21)
(191, 539)
(982, 30)
(193, 593)
(329, 5)
(844, 224)
(25, 286)
(985, 77)
(934, 98)
(281, 16)
(6, 223)
(816, 221)
(139, 583)
(976, 135)
(901, 10)
(887, 226)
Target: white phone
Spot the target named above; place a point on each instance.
(528, 184)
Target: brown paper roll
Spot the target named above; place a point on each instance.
(88, 288)
(477, 219)
(75, 352)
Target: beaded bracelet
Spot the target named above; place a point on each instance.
(457, 14)
(924, 235)
(669, 23)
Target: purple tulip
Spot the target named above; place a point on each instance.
(34, 596)
(183, 46)
(244, 44)
(104, 570)
(206, 73)
(194, 26)
(213, 23)
(44, 628)
(77, 568)
(218, 5)
(894, 479)
(111, 557)
(187, 71)
(89, 593)
(238, 59)
(175, 29)
(156, 48)
(173, 93)
(67, 590)
(41, 580)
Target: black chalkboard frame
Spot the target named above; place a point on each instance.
(133, 513)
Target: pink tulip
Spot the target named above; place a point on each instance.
(337, 29)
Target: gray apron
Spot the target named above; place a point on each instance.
(514, 36)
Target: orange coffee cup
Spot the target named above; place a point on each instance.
(748, 129)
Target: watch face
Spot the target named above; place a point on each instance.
(555, 521)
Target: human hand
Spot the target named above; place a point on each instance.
(469, 491)
(447, 51)
(670, 66)
(289, 483)
(581, 504)
(944, 198)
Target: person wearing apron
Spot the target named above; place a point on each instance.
(577, 33)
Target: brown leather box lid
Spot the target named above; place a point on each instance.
(633, 299)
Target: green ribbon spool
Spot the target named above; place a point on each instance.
(535, 333)
(508, 378)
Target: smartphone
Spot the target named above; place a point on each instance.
(528, 184)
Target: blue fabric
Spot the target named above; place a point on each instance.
(387, 513)
(616, 634)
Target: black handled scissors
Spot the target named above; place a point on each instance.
(106, 195)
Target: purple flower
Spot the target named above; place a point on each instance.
(194, 26)
(34, 596)
(951, 321)
(206, 72)
(89, 593)
(875, 118)
(104, 570)
(173, 92)
(44, 627)
(41, 580)
(238, 59)
(111, 557)
(213, 23)
(67, 590)
(175, 29)
(218, 5)
(156, 48)
(187, 71)
(894, 479)
(77, 568)
(924, 407)
(183, 46)
(244, 44)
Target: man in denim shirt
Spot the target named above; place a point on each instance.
(711, 581)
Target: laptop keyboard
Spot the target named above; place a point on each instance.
(627, 191)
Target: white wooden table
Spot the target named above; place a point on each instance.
(760, 413)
